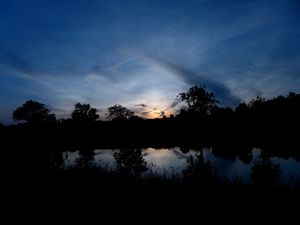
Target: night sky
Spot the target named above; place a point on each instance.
(141, 54)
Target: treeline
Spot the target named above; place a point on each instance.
(198, 102)
(202, 121)
(271, 125)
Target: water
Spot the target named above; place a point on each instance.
(176, 162)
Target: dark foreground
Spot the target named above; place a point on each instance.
(95, 194)
(30, 177)
(90, 193)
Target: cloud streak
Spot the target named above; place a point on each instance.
(142, 57)
(13, 61)
(141, 105)
(189, 77)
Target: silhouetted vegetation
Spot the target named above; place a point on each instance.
(86, 158)
(33, 111)
(84, 113)
(198, 170)
(118, 112)
(199, 100)
(264, 173)
(270, 124)
(130, 161)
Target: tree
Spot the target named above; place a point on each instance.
(130, 161)
(256, 103)
(119, 112)
(84, 112)
(199, 100)
(86, 158)
(33, 112)
(264, 173)
(242, 108)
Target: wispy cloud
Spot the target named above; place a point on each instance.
(141, 105)
(14, 61)
(142, 57)
(190, 78)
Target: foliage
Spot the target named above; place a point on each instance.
(199, 100)
(84, 112)
(264, 173)
(130, 160)
(33, 111)
(255, 103)
(86, 158)
(119, 112)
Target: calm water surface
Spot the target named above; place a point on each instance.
(173, 161)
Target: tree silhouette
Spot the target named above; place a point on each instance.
(84, 112)
(198, 169)
(199, 100)
(242, 108)
(258, 101)
(130, 161)
(33, 112)
(264, 173)
(86, 158)
(119, 112)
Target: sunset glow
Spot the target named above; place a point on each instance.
(139, 52)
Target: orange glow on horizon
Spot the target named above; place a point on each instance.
(157, 114)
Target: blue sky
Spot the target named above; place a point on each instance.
(141, 54)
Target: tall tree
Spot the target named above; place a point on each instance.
(199, 100)
(33, 111)
(84, 112)
(119, 112)
(130, 161)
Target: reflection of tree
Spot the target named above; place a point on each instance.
(198, 169)
(130, 161)
(264, 173)
(56, 159)
(225, 151)
(245, 155)
(184, 150)
(86, 158)
(231, 151)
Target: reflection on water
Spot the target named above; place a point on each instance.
(167, 161)
(174, 161)
(102, 158)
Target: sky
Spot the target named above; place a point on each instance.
(141, 54)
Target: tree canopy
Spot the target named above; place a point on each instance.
(199, 100)
(33, 111)
(84, 112)
(130, 160)
(119, 112)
